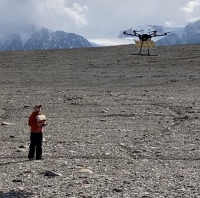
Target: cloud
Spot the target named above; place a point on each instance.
(78, 14)
(191, 10)
(20, 15)
(170, 23)
(58, 10)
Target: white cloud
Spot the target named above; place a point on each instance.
(78, 13)
(53, 14)
(191, 10)
(170, 23)
(59, 12)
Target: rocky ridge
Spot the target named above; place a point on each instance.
(44, 39)
(190, 34)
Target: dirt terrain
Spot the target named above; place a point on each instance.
(119, 125)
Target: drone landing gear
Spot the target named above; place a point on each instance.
(148, 54)
(145, 54)
(145, 45)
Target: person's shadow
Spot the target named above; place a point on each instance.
(15, 193)
(14, 162)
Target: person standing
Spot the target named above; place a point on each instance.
(36, 135)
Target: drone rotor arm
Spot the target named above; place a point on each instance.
(134, 33)
(153, 32)
(155, 35)
(164, 34)
(129, 34)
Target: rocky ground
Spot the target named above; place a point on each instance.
(119, 125)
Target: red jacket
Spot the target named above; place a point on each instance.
(32, 122)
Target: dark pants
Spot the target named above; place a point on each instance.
(36, 144)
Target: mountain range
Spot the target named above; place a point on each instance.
(44, 39)
(190, 34)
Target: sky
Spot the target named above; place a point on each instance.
(99, 21)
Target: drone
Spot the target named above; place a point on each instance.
(145, 37)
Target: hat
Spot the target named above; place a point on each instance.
(37, 106)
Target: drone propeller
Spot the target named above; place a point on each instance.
(154, 31)
(167, 33)
(136, 30)
(129, 33)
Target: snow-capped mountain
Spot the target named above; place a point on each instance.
(124, 36)
(190, 34)
(146, 30)
(44, 39)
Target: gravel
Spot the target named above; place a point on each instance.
(119, 125)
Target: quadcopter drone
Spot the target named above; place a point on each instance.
(145, 37)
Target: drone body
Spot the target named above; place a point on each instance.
(145, 37)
